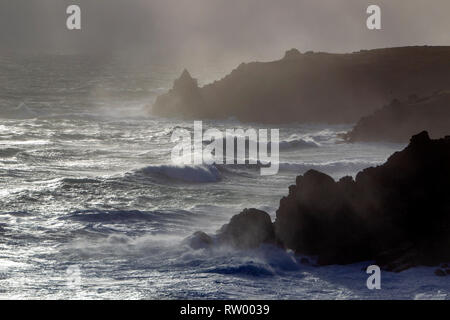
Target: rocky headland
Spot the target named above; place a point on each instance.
(396, 214)
(397, 121)
(311, 87)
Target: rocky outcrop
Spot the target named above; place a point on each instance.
(199, 240)
(397, 214)
(184, 100)
(399, 120)
(247, 230)
(311, 87)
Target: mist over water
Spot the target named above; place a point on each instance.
(202, 33)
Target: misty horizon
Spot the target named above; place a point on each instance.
(197, 32)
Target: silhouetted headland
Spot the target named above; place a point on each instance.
(396, 214)
(311, 87)
(397, 121)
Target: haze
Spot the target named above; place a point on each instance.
(217, 31)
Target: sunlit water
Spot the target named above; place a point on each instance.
(87, 184)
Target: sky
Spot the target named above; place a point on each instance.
(218, 30)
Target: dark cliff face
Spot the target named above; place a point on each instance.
(397, 121)
(313, 87)
(397, 213)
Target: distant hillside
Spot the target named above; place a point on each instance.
(311, 87)
(397, 121)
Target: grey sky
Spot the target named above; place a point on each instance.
(218, 30)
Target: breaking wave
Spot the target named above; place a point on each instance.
(184, 173)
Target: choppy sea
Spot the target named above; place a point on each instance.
(92, 207)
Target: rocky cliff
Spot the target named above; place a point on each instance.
(312, 87)
(397, 213)
(397, 121)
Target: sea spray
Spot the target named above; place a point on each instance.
(236, 151)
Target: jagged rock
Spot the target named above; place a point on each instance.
(397, 214)
(185, 82)
(248, 230)
(199, 240)
(183, 100)
(397, 121)
(312, 87)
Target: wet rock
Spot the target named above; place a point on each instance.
(249, 229)
(199, 240)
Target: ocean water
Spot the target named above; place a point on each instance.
(91, 206)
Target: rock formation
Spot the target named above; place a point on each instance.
(397, 214)
(247, 230)
(397, 121)
(184, 100)
(311, 87)
(199, 240)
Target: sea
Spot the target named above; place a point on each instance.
(93, 207)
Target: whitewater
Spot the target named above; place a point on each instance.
(87, 182)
